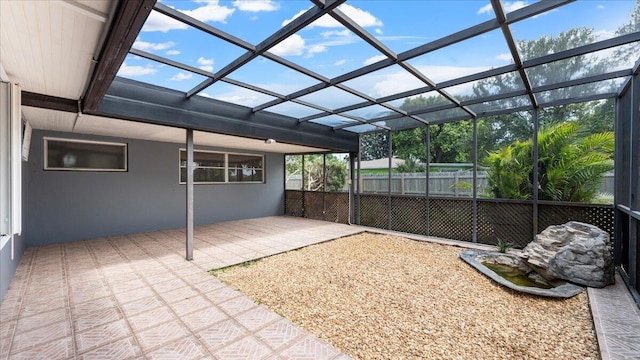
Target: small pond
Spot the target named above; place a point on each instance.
(513, 272)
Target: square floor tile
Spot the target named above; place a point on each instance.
(141, 305)
(221, 334)
(160, 335)
(184, 349)
(280, 334)
(180, 294)
(87, 307)
(101, 335)
(203, 318)
(310, 348)
(257, 318)
(190, 305)
(121, 349)
(237, 305)
(169, 285)
(41, 335)
(55, 349)
(248, 348)
(133, 295)
(150, 318)
(97, 318)
(129, 285)
(41, 320)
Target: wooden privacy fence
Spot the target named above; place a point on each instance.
(447, 217)
(445, 183)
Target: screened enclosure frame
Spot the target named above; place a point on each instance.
(340, 128)
(393, 118)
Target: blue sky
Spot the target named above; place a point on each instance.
(331, 50)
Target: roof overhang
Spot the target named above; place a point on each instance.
(133, 100)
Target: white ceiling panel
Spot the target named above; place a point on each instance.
(45, 119)
(47, 46)
(49, 119)
(96, 125)
(235, 142)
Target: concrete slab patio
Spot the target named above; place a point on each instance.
(135, 296)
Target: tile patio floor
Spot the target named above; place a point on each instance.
(135, 296)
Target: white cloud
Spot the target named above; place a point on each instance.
(378, 31)
(361, 17)
(148, 46)
(249, 101)
(508, 7)
(340, 62)
(600, 6)
(240, 96)
(332, 33)
(293, 45)
(486, 9)
(338, 37)
(256, 5)
(504, 57)
(160, 22)
(210, 11)
(513, 6)
(205, 64)
(181, 76)
(379, 85)
(373, 59)
(173, 52)
(443, 73)
(315, 49)
(133, 71)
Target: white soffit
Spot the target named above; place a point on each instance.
(45, 119)
(47, 46)
(49, 119)
(235, 142)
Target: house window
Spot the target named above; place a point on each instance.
(80, 155)
(213, 167)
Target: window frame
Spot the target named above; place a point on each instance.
(11, 124)
(124, 146)
(226, 167)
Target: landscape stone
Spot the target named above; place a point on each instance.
(577, 252)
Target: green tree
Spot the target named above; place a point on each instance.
(375, 145)
(410, 144)
(518, 126)
(314, 177)
(630, 51)
(570, 166)
(452, 142)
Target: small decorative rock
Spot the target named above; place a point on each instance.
(576, 252)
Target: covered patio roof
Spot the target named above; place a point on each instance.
(290, 86)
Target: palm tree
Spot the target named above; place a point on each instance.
(570, 166)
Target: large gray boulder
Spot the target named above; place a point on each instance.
(577, 252)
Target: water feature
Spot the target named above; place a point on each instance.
(517, 276)
(513, 272)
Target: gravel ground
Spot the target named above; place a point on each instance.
(385, 297)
